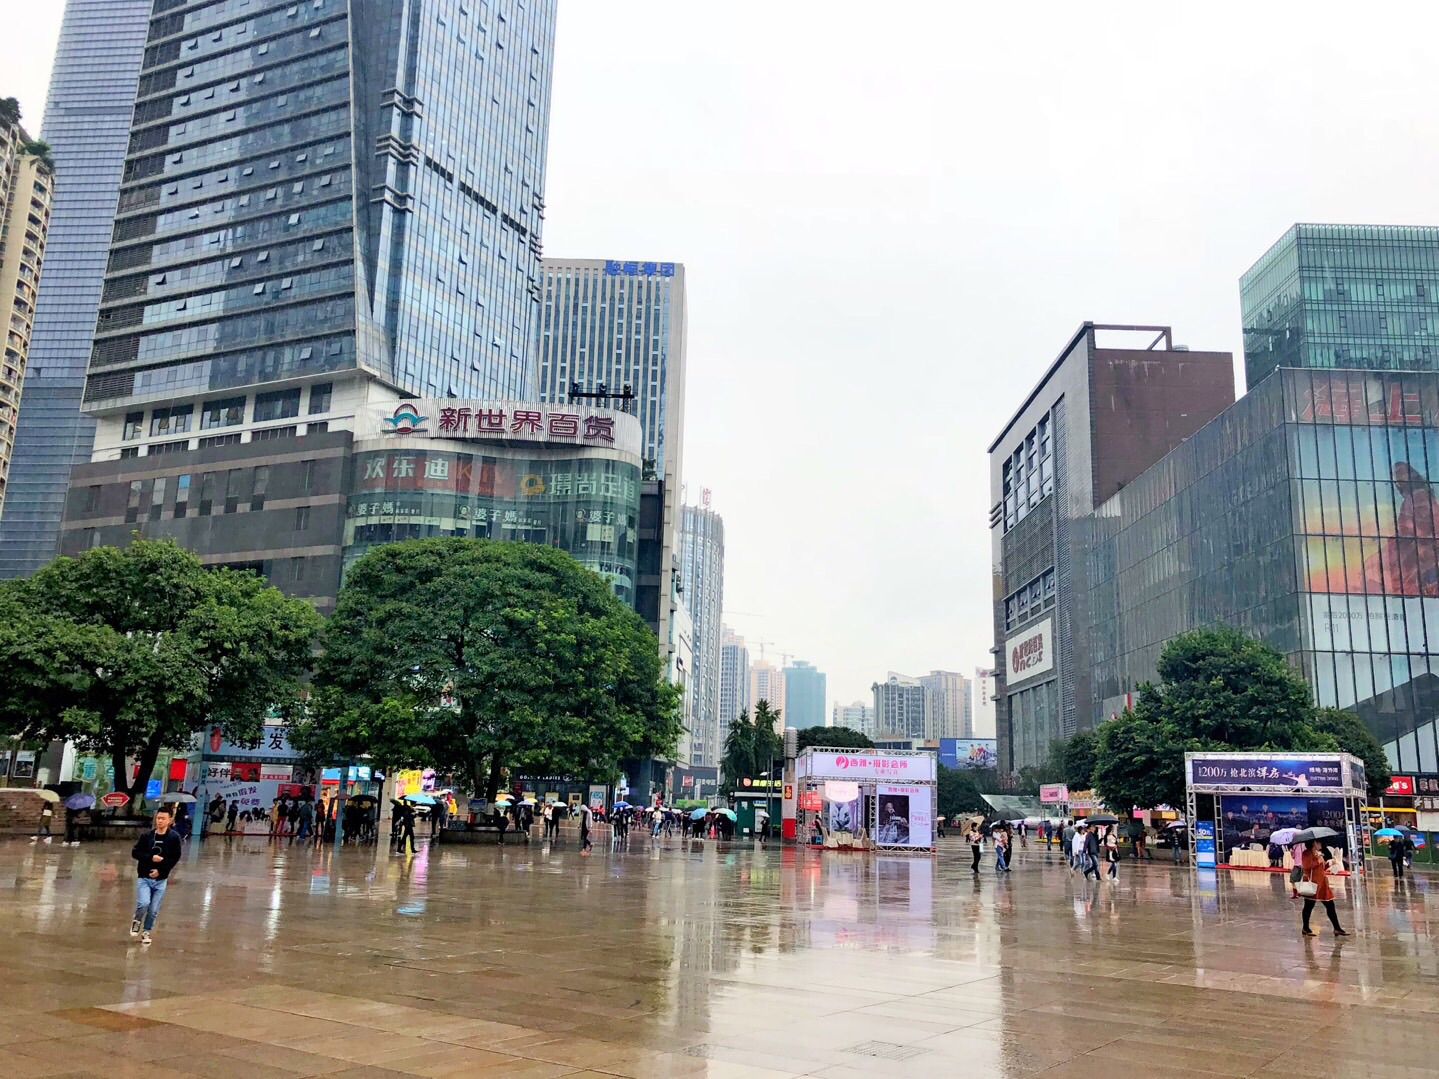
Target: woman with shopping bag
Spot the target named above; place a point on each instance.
(1313, 887)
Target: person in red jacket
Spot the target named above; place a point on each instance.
(1314, 870)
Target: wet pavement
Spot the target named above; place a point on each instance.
(674, 958)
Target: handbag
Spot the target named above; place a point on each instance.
(1296, 875)
(1307, 889)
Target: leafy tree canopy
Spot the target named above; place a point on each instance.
(750, 745)
(959, 790)
(475, 656)
(131, 651)
(834, 738)
(9, 111)
(1078, 758)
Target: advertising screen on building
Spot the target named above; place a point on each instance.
(1053, 793)
(1030, 652)
(968, 752)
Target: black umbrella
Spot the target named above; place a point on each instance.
(1103, 818)
(1314, 833)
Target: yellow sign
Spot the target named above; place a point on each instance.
(532, 484)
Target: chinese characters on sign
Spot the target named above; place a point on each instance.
(1363, 399)
(620, 268)
(525, 421)
(1030, 652)
(1265, 771)
(828, 764)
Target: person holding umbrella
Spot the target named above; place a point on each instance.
(1314, 885)
(975, 839)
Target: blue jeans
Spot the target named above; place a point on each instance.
(148, 894)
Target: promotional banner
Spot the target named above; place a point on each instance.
(968, 752)
(1053, 793)
(827, 764)
(1204, 844)
(904, 816)
(1270, 770)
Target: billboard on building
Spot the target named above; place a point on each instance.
(968, 752)
(1029, 653)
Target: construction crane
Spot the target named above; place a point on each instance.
(785, 656)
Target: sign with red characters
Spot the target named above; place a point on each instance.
(1029, 652)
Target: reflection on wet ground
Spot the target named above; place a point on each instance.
(672, 958)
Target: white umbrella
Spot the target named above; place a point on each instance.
(1284, 836)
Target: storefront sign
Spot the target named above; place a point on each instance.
(1083, 800)
(811, 801)
(903, 815)
(830, 764)
(276, 773)
(619, 267)
(115, 799)
(1030, 653)
(1053, 793)
(1400, 786)
(515, 421)
(272, 744)
(1263, 770)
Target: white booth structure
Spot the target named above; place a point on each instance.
(865, 799)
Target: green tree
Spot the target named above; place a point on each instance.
(132, 651)
(1352, 736)
(476, 656)
(40, 150)
(834, 738)
(1140, 760)
(1078, 759)
(959, 791)
(751, 744)
(9, 111)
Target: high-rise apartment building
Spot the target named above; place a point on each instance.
(316, 220)
(1116, 400)
(702, 578)
(949, 710)
(87, 126)
(1343, 297)
(857, 717)
(900, 708)
(804, 695)
(614, 332)
(26, 192)
(766, 683)
(983, 709)
(734, 681)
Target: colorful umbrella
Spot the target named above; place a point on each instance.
(698, 813)
(730, 813)
(80, 801)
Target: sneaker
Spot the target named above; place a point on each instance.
(135, 928)
(145, 937)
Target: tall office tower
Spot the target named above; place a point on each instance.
(900, 707)
(766, 683)
(1343, 296)
(983, 709)
(857, 717)
(702, 576)
(949, 711)
(26, 190)
(315, 220)
(1115, 401)
(87, 126)
(614, 333)
(734, 681)
(804, 695)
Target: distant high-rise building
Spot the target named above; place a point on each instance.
(26, 186)
(87, 126)
(949, 711)
(734, 681)
(900, 707)
(804, 694)
(983, 709)
(615, 332)
(702, 576)
(766, 683)
(1342, 297)
(857, 717)
(330, 232)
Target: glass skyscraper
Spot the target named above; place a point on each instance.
(1362, 297)
(702, 578)
(804, 695)
(87, 124)
(303, 199)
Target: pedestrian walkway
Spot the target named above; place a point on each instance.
(677, 958)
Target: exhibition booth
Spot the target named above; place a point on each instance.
(865, 799)
(1246, 807)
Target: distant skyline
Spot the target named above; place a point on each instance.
(880, 268)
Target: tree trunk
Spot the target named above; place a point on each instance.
(117, 762)
(493, 786)
(479, 778)
(148, 756)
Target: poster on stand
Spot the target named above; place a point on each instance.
(903, 815)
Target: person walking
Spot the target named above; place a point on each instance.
(1316, 874)
(1091, 852)
(1398, 847)
(231, 815)
(306, 817)
(1001, 850)
(1066, 840)
(156, 852)
(1111, 851)
(587, 819)
(406, 815)
(975, 839)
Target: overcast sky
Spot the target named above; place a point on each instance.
(893, 216)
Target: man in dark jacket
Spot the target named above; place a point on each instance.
(155, 853)
(1091, 852)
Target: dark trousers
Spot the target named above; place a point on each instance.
(977, 855)
(1398, 864)
(1328, 909)
(407, 832)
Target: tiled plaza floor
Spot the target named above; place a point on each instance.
(680, 959)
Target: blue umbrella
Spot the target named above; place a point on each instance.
(622, 805)
(421, 799)
(698, 813)
(80, 801)
(1389, 832)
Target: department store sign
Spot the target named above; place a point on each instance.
(515, 421)
(1030, 652)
